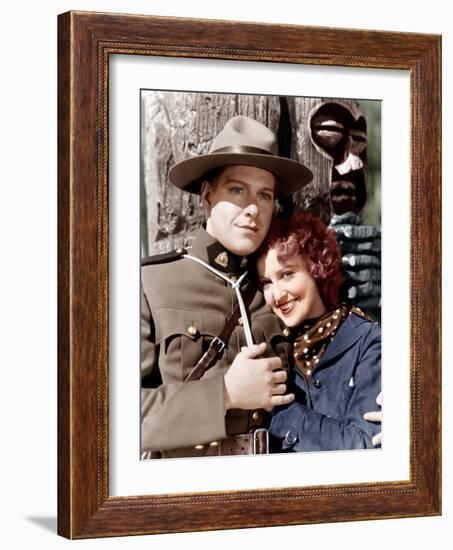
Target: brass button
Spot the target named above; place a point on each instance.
(256, 416)
(286, 332)
(179, 250)
(240, 321)
(192, 330)
(308, 372)
(318, 383)
(214, 444)
(233, 279)
(199, 447)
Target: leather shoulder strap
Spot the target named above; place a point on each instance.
(219, 342)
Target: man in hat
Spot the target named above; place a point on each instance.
(202, 395)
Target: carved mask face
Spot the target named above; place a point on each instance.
(342, 135)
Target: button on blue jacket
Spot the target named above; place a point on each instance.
(327, 413)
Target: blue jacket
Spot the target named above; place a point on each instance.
(327, 413)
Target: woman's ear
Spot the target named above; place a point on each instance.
(205, 196)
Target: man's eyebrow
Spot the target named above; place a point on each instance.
(233, 179)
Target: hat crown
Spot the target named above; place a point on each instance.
(242, 131)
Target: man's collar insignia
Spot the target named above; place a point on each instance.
(222, 259)
(243, 262)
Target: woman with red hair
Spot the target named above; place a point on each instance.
(336, 366)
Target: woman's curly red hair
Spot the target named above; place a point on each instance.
(308, 236)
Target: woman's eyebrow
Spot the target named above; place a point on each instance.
(288, 266)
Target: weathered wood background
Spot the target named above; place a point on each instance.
(179, 125)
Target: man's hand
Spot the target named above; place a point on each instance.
(255, 383)
(375, 416)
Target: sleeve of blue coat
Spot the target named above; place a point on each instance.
(300, 428)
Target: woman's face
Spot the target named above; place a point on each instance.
(289, 288)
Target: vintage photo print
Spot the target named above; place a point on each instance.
(260, 274)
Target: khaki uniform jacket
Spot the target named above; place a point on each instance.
(184, 306)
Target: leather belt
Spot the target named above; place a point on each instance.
(253, 443)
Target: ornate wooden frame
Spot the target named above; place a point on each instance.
(85, 42)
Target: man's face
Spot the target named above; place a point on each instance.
(239, 204)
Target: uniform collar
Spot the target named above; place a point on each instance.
(207, 248)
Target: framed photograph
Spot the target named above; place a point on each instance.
(139, 95)
(338, 139)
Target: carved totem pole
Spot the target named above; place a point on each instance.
(339, 132)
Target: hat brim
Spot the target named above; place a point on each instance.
(291, 175)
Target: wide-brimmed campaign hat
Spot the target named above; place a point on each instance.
(242, 141)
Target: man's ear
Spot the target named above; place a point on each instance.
(206, 196)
